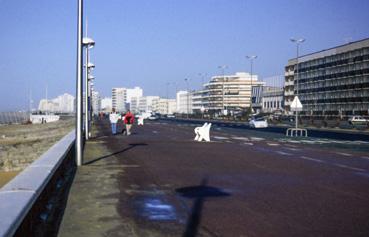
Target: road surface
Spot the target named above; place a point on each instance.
(160, 182)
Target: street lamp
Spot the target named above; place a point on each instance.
(202, 75)
(167, 84)
(297, 42)
(79, 77)
(88, 43)
(251, 58)
(188, 97)
(222, 68)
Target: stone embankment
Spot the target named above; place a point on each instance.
(20, 145)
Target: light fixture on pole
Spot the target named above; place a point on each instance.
(188, 97)
(251, 58)
(79, 109)
(222, 68)
(296, 104)
(88, 43)
(297, 42)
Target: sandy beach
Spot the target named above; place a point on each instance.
(20, 145)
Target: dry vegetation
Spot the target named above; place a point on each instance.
(20, 145)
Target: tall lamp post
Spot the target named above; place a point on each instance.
(88, 43)
(222, 68)
(297, 42)
(188, 97)
(79, 77)
(251, 58)
(167, 84)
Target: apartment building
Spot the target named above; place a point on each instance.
(331, 82)
(119, 98)
(184, 102)
(272, 99)
(229, 92)
(164, 106)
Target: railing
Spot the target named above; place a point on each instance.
(13, 117)
(29, 201)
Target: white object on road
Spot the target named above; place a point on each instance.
(258, 123)
(140, 121)
(203, 133)
(358, 120)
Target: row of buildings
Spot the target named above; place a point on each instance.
(222, 94)
(331, 82)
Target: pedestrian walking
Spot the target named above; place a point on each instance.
(128, 121)
(114, 117)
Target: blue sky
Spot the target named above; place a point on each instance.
(150, 43)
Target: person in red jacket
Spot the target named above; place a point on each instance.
(128, 121)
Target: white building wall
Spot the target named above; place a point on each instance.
(95, 102)
(119, 98)
(134, 92)
(63, 103)
(184, 102)
(164, 106)
(106, 104)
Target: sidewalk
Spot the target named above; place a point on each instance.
(94, 196)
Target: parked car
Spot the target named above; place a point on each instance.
(153, 117)
(258, 123)
(355, 120)
(170, 116)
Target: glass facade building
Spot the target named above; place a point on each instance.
(332, 82)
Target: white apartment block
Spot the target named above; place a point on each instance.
(62, 104)
(142, 104)
(119, 98)
(106, 104)
(164, 106)
(134, 92)
(184, 102)
(230, 92)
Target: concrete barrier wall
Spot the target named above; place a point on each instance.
(27, 200)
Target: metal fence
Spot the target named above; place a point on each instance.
(13, 117)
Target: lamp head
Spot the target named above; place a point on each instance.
(88, 42)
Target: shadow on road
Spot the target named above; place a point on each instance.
(199, 194)
(132, 145)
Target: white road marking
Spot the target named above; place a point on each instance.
(343, 154)
(218, 128)
(273, 144)
(290, 145)
(249, 143)
(256, 139)
(308, 141)
(221, 138)
(365, 157)
(349, 167)
(241, 138)
(293, 149)
(283, 153)
(311, 159)
(155, 132)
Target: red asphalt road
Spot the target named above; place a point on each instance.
(234, 187)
